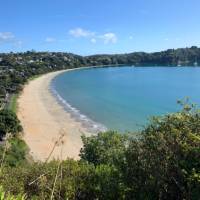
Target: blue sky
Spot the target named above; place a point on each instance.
(98, 26)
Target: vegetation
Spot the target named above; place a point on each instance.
(15, 152)
(170, 57)
(163, 162)
(13, 103)
(9, 123)
(104, 148)
(17, 68)
(4, 196)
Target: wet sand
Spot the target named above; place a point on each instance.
(47, 126)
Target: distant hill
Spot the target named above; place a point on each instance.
(181, 56)
(170, 57)
(16, 68)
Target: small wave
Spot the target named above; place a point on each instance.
(86, 122)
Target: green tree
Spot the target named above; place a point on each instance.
(165, 162)
(75, 180)
(9, 123)
(104, 148)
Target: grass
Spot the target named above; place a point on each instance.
(16, 153)
(34, 77)
(4, 196)
(13, 103)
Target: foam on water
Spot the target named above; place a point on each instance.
(124, 98)
(86, 122)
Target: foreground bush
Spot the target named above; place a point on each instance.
(162, 163)
(4, 196)
(69, 179)
(15, 152)
(165, 162)
(105, 148)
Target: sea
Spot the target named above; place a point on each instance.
(124, 98)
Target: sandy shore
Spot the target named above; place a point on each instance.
(44, 120)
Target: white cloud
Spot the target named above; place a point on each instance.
(93, 40)
(10, 38)
(6, 37)
(50, 39)
(79, 32)
(109, 38)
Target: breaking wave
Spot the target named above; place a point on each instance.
(86, 122)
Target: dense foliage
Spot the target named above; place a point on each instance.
(7, 196)
(104, 148)
(9, 123)
(17, 68)
(165, 163)
(15, 152)
(162, 162)
(170, 57)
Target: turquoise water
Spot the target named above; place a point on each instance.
(124, 98)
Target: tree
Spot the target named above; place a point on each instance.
(9, 123)
(104, 148)
(165, 162)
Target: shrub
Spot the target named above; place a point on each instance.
(9, 123)
(4, 196)
(104, 148)
(162, 163)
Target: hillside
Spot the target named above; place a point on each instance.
(17, 68)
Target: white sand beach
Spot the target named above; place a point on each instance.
(44, 120)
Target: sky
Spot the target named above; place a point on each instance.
(88, 27)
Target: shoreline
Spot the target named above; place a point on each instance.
(90, 125)
(47, 126)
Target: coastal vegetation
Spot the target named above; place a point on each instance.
(161, 162)
(17, 68)
(9, 124)
(4, 196)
